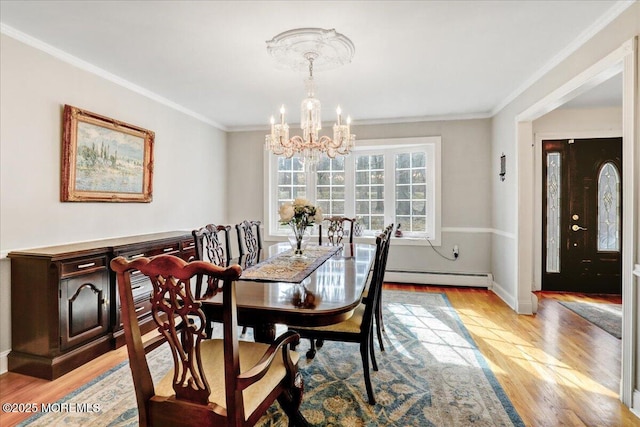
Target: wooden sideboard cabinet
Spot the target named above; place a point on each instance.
(65, 308)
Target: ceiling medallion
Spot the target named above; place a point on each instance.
(312, 49)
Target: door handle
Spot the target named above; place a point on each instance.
(576, 227)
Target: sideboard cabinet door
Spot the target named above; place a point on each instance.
(84, 308)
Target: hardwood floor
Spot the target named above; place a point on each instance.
(557, 368)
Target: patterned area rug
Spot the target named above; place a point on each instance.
(432, 374)
(605, 316)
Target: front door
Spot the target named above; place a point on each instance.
(582, 215)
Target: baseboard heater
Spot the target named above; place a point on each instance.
(480, 280)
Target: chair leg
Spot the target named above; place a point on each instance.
(312, 351)
(379, 329)
(374, 363)
(208, 329)
(290, 402)
(364, 351)
(379, 313)
(208, 324)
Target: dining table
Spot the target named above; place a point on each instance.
(322, 287)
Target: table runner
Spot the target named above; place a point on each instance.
(284, 267)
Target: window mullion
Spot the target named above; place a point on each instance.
(389, 186)
(311, 179)
(350, 186)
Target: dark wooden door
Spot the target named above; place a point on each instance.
(582, 215)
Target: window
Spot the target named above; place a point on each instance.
(370, 189)
(380, 182)
(411, 191)
(330, 186)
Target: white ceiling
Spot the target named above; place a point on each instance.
(413, 59)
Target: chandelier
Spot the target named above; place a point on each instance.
(308, 48)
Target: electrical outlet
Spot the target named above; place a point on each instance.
(455, 251)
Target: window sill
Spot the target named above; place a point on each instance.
(395, 241)
(398, 241)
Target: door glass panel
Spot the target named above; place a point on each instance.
(609, 208)
(553, 213)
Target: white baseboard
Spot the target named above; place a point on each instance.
(504, 295)
(635, 403)
(4, 365)
(528, 306)
(481, 280)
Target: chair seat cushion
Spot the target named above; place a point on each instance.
(213, 362)
(351, 325)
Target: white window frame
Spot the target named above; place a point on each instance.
(391, 146)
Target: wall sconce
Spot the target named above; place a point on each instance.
(503, 166)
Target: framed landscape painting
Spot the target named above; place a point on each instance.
(105, 160)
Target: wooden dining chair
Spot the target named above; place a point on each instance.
(221, 382)
(210, 247)
(388, 231)
(359, 327)
(212, 244)
(249, 241)
(379, 323)
(336, 228)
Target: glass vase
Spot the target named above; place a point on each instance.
(299, 238)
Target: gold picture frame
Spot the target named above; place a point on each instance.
(105, 160)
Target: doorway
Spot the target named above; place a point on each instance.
(623, 59)
(581, 215)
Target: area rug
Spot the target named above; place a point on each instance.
(431, 374)
(606, 316)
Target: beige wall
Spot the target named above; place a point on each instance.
(189, 174)
(466, 190)
(584, 121)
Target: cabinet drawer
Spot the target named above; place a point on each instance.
(172, 248)
(141, 289)
(169, 248)
(188, 250)
(142, 307)
(83, 266)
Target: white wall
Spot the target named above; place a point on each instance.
(466, 190)
(189, 187)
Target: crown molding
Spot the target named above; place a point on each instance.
(390, 121)
(601, 22)
(86, 66)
